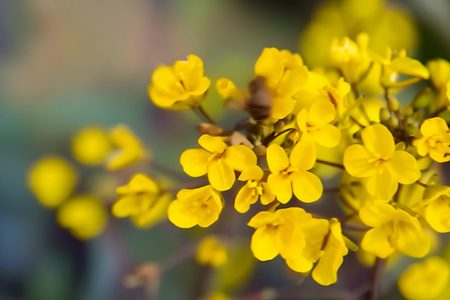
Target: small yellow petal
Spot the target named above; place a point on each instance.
(303, 155)
(213, 144)
(195, 161)
(307, 187)
(277, 158)
(405, 166)
(281, 186)
(221, 175)
(379, 141)
(264, 243)
(239, 157)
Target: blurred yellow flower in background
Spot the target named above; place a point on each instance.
(83, 215)
(52, 179)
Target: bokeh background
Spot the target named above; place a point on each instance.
(65, 64)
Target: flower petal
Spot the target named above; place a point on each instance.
(195, 161)
(404, 165)
(280, 186)
(239, 157)
(303, 155)
(307, 187)
(277, 158)
(264, 243)
(213, 144)
(221, 175)
(357, 161)
(379, 141)
(376, 241)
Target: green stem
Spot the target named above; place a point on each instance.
(205, 114)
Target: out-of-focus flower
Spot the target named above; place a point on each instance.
(393, 229)
(192, 207)
(91, 145)
(253, 190)
(84, 216)
(180, 86)
(379, 162)
(130, 148)
(440, 77)
(351, 58)
(218, 160)
(143, 200)
(211, 251)
(435, 140)
(52, 179)
(426, 279)
(337, 19)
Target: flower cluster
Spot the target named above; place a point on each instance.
(382, 151)
(341, 133)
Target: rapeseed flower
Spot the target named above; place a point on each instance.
(290, 174)
(83, 215)
(435, 140)
(379, 162)
(143, 200)
(201, 206)
(393, 229)
(91, 145)
(211, 251)
(180, 86)
(218, 160)
(253, 190)
(129, 148)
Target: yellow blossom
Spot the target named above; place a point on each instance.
(290, 174)
(218, 160)
(315, 123)
(143, 200)
(426, 279)
(52, 179)
(84, 216)
(440, 77)
(290, 232)
(393, 229)
(351, 58)
(437, 207)
(252, 190)
(284, 75)
(91, 145)
(435, 140)
(379, 162)
(397, 63)
(325, 271)
(180, 86)
(201, 206)
(130, 148)
(211, 251)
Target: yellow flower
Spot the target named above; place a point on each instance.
(289, 174)
(218, 160)
(212, 252)
(325, 271)
(437, 207)
(91, 145)
(51, 179)
(284, 75)
(426, 279)
(192, 207)
(84, 216)
(290, 232)
(394, 229)
(435, 140)
(315, 123)
(130, 147)
(143, 200)
(378, 161)
(180, 86)
(252, 190)
(351, 58)
(440, 77)
(398, 63)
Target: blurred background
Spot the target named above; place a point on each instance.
(66, 64)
